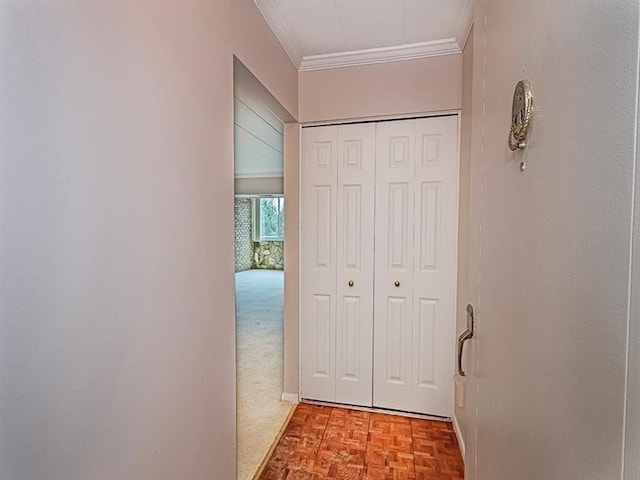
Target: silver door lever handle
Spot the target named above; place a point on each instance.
(464, 336)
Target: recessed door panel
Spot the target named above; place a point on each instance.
(396, 332)
(352, 227)
(323, 213)
(321, 320)
(425, 343)
(431, 149)
(322, 152)
(430, 234)
(352, 153)
(398, 228)
(350, 326)
(399, 151)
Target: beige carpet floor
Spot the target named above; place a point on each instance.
(259, 338)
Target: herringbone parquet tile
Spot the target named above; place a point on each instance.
(337, 443)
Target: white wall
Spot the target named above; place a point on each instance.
(291, 257)
(395, 88)
(632, 430)
(116, 187)
(553, 243)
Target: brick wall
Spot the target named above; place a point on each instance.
(244, 234)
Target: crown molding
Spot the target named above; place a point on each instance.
(464, 27)
(447, 46)
(396, 53)
(278, 26)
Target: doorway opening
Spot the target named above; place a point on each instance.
(259, 327)
(259, 278)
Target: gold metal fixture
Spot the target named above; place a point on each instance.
(521, 111)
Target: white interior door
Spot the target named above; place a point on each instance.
(318, 263)
(393, 306)
(355, 221)
(416, 264)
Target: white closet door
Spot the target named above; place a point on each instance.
(355, 228)
(393, 307)
(318, 263)
(416, 246)
(435, 265)
(401, 300)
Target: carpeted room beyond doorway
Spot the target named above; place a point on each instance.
(259, 338)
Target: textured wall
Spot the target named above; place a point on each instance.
(269, 255)
(116, 279)
(406, 87)
(632, 437)
(291, 253)
(554, 245)
(244, 232)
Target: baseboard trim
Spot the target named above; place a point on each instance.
(456, 429)
(267, 456)
(290, 397)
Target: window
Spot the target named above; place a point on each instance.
(269, 219)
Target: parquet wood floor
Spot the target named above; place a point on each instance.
(323, 442)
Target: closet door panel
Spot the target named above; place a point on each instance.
(355, 237)
(436, 223)
(394, 251)
(318, 263)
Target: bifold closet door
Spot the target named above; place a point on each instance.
(435, 265)
(336, 317)
(355, 215)
(395, 170)
(416, 264)
(318, 263)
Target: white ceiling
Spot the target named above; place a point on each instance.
(258, 137)
(331, 33)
